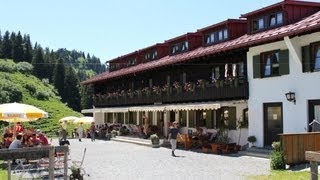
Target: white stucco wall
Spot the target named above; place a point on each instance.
(266, 90)
(98, 118)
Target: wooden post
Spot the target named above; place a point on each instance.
(51, 162)
(65, 162)
(313, 157)
(9, 169)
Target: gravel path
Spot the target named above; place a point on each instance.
(117, 160)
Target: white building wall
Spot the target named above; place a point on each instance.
(263, 90)
(98, 118)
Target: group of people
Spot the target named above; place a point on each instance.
(18, 137)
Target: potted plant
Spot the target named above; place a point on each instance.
(252, 140)
(114, 133)
(75, 172)
(221, 141)
(155, 140)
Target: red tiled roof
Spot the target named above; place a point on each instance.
(309, 24)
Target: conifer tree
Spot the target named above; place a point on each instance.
(17, 48)
(38, 63)
(58, 78)
(86, 96)
(27, 49)
(71, 89)
(6, 47)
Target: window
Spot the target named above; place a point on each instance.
(168, 80)
(258, 24)
(180, 47)
(275, 19)
(152, 55)
(216, 36)
(316, 55)
(270, 20)
(131, 62)
(270, 63)
(150, 83)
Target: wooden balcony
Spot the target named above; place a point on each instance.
(212, 93)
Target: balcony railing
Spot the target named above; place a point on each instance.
(173, 95)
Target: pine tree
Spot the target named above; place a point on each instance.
(38, 63)
(0, 45)
(71, 89)
(6, 47)
(27, 49)
(86, 96)
(17, 48)
(58, 78)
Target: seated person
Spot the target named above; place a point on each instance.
(26, 141)
(16, 143)
(18, 128)
(34, 140)
(43, 140)
(196, 135)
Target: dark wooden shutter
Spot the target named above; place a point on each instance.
(256, 66)
(306, 67)
(232, 117)
(284, 62)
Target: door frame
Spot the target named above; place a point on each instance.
(311, 104)
(265, 117)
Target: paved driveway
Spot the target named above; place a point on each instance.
(117, 160)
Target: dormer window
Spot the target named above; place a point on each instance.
(268, 21)
(180, 47)
(152, 55)
(216, 36)
(258, 24)
(131, 62)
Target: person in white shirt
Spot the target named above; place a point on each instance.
(16, 143)
(80, 131)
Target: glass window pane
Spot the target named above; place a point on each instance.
(267, 71)
(212, 37)
(261, 24)
(220, 36)
(317, 59)
(279, 18)
(225, 34)
(272, 20)
(208, 40)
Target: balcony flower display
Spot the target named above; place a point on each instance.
(123, 93)
(166, 89)
(177, 86)
(201, 83)
(188, 87)
(146, 91)
(156, 90)
(130, 93)
(138, 92)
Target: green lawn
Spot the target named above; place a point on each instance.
(283, 175)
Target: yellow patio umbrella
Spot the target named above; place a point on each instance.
(68, 118)
(84, 120)
(17, 112)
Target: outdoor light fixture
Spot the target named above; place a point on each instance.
(291, 96)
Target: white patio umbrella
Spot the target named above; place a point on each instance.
(68, 118)
(14, 112)
(84, 120)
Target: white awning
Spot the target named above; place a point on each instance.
(192, 106)
(162, 107)
(148, 108)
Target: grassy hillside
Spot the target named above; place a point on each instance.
(30, 90)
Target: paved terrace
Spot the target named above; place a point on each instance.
(119, 160)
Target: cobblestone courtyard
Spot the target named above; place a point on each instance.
(117, 160)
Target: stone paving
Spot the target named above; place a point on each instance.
(118, 160)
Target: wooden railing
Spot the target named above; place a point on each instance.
(295, 146)
(36, 153)
(200, 94)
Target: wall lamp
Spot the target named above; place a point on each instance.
(291, 96)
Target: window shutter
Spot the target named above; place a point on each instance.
(232, 117)
(256, 66)
(306, 59)
(284, 62)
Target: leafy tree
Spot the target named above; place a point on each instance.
(38, 63)
(71, 90)
(6, 47)
(86, 96)
(27, 49)
(17, 48)
(58, 78)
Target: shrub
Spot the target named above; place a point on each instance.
(24, 67)
(252, 139)
(277, 157)
(10, 92)
(154, 139)
(7, 66)
(42, 95)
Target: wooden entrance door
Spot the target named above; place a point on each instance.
(272, 122)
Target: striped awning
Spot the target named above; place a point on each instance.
(161, 107)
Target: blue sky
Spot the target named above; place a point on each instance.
(109, 29)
